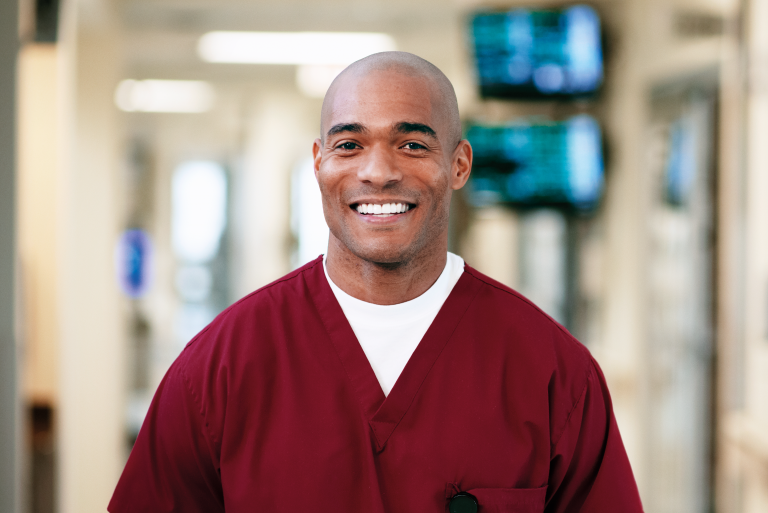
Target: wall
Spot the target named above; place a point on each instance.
(91, 331)
(37, 209)
(743, 444)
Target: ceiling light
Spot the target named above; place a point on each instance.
(329, 48)
(164, 96)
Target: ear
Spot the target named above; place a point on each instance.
(317, 155)
(462, 165)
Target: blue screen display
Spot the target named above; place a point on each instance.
(538, 163)
(538, 53)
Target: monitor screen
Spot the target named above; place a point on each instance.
(538, 53)
(528, 163)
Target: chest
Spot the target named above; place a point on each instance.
(309, 423)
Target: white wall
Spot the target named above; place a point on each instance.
(37, 210)
(743, 442)
(90, 427)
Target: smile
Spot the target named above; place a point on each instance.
(382, 209)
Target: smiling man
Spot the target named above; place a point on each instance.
(387, 376)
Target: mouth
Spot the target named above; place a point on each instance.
(382, 209)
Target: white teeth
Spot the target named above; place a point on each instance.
(383, 209)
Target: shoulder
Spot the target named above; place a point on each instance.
(534, 337)
(233, 332)
(288, 288)
(241, 342)
(529, 321)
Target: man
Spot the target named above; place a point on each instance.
(388, 377)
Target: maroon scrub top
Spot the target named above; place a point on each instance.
(274, 407)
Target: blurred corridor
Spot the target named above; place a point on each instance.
(162, 171)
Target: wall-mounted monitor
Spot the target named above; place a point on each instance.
(526, 53)
(533, 163)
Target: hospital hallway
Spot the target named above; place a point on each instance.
(156, 166)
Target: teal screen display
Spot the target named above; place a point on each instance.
(538, 53)
(528, 163)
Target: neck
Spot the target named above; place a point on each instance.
(385, 284)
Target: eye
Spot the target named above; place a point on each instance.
(414, 146)
(347, 146)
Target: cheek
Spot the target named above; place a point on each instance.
(331, 176)
(325, 193)
(440, 187)
(328, 180)
(331, 189)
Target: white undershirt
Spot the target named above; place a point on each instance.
(389, 334)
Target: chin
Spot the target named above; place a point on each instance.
(381, 251)
(384, 255)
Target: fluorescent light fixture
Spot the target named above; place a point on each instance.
(164, 96)
(329, 48)
(314, 80)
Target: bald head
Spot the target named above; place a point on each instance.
(442, 95)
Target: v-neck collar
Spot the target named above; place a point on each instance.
(384, 413)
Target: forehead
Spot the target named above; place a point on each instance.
(381, 98)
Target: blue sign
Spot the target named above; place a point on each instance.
(134, 258)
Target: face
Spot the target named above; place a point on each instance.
(387, 167)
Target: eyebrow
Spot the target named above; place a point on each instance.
(405, 127)
(357, 128)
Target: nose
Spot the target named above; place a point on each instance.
(380, 167)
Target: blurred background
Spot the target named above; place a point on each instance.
(155, 167)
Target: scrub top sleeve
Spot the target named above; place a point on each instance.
(172, 465)
(589, 469)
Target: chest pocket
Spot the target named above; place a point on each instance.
(510, 500)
